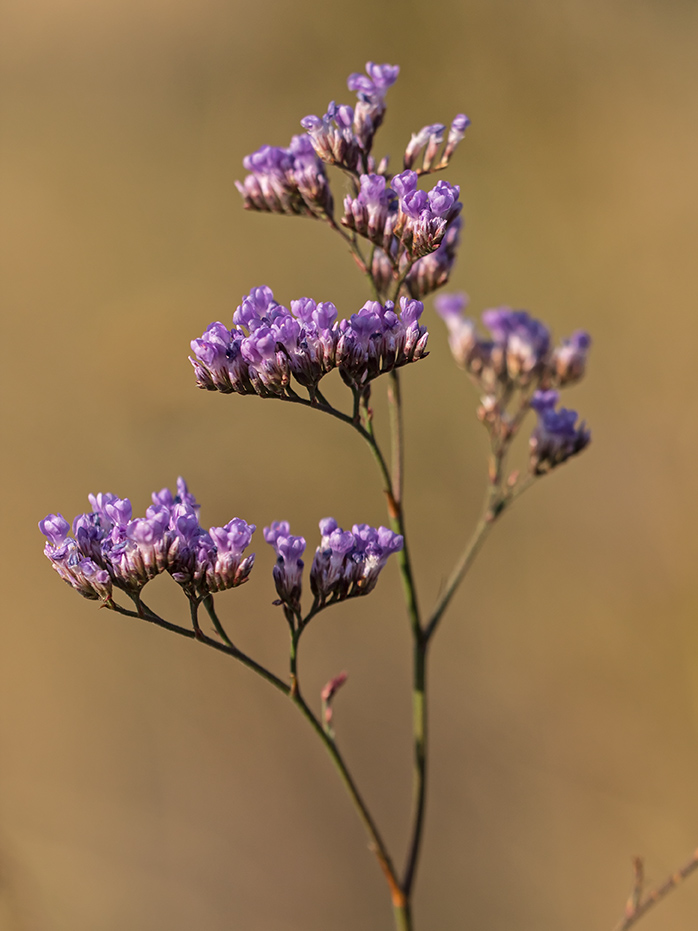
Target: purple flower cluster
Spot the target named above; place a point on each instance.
(290, 181)
(344, 135)
(557, 436)
(519, 352)
(430, 139)
(400, 217)
(519, 357)
(110, 549)
(268, 344)
(346, 563)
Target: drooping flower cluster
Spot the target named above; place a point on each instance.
(519, 357)
(290, 181)
(111, 549)
(268, 344)
(346, 563)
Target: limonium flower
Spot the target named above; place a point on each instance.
(557, 435)
(268, 344)
(348, 563)
(288, 570)
(519, 352)
(111, 549)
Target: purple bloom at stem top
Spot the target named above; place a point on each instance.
(268, 345)
(109, 549)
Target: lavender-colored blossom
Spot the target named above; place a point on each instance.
(291, 181)
(269, 344)
(348, 563)
(376, 340)
(569, 360)
(519, 353)
(424, 216)
(373, 213)
(433, 270)
(112, 549)
(333, 137)
(371, 89)
(557, 435)
(288, 570)
(455, 137)
(430, 136)
(521, 340)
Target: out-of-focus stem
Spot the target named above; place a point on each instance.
(484, 525)
(638, 905)
(419, 780)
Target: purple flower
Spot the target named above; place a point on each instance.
(290, 181)
(348, 563)
(557, 435)
(268, 344)
(333, 137)
(455, 137)
(376, 340)
(288, 570)
(112, 549)
(373, 212)
(370, 108)
(424, 216)
(523, 340)
(431, 137)
(433, 270)
(569, 360)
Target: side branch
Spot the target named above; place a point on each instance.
(639, 904)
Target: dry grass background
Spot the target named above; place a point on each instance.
(148, 784)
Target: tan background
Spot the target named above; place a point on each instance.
(148, 784)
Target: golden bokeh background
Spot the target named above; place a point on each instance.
(147, 783)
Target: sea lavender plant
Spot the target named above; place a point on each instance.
(405, 241)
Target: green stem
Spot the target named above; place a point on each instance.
(377, 844)
(480, 534)
(419, 780)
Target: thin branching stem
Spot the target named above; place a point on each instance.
(639, 904)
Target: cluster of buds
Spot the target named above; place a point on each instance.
(416, 232)
(519, 358)
(346, 563)
(268, 344)
(111, 549)
(344, 135)
(290, 181)
(399, 218)
(430, 138)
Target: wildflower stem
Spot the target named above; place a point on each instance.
(638, 905)
(400, 904)
(493, 508)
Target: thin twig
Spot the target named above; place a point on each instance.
(638, 905)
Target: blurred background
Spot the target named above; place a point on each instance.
(147, 783)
